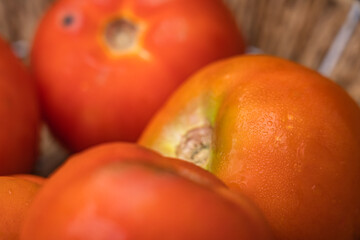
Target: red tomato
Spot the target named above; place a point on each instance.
(279, 132)
(19, 115)
(122, 191)
(104, 67)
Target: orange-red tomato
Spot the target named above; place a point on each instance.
(104, 67)
(16, 195)
(19, 115)
(121, 191)
(32, 178)
(279, 132)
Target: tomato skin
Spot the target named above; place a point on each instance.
(32, 178)
(92, 94)
(16, 196)
(19, 114)
(91, 159)
(122, 191)
(282, 134)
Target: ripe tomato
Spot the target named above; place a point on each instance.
(19, 115)
(104, 67)
(121, 191)
(16, 195)
(283, 134)
(32, 178)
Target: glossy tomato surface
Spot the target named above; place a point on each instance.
(282, 134)
(19, 115)
(16, 196)
(122, 191)
(32, 178)
(104, 67)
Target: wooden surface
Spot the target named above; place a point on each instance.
(300, 30)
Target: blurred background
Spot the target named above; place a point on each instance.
(316, 33)
(300, 30)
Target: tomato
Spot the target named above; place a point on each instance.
(122, 191)
(16, 195)
(32, 178)
(282, 134)
(19, 115)
(104, 67)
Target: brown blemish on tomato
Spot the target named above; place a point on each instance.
(121, 35)
(195, 146)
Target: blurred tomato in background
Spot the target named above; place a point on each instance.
(19, 115)
(103, 68)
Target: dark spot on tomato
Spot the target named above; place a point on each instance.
(68, 20)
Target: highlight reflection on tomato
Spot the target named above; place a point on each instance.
(104, 67)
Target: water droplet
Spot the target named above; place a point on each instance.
(298, 167)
